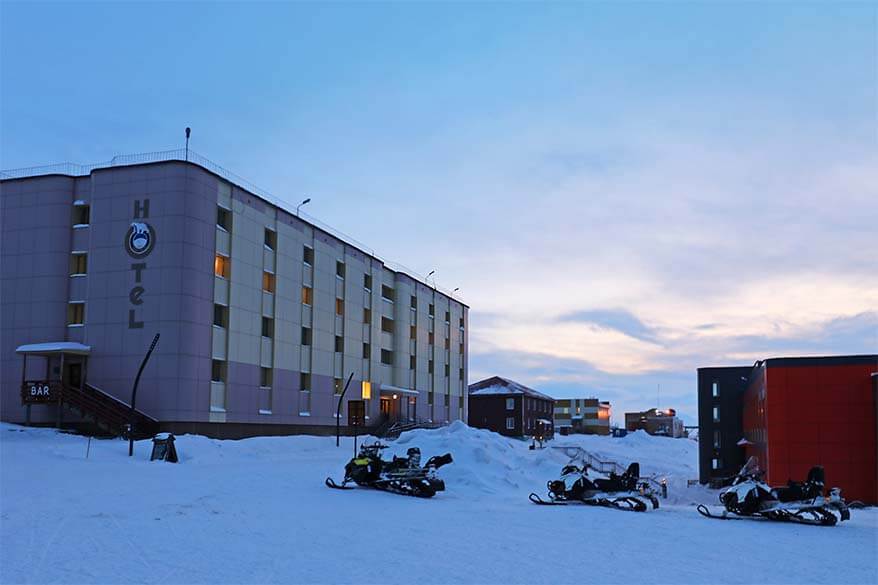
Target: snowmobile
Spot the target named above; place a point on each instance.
(802, 502)
(401, 475)
(624, 492)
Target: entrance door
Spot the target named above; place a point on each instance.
(73, 375)
(386, 407)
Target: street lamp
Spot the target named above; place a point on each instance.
(428, 278)
(308, 200)
(188, 132)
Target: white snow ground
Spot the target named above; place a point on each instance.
(256, 511)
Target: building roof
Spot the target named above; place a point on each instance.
(499, 385)
(54, 347)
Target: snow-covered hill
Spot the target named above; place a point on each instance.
(256, 510)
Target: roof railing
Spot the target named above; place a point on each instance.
(180, 154)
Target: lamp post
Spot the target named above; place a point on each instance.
(188, 132)
(306, 201)
(428, 278)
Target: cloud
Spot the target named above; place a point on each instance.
(616, 319)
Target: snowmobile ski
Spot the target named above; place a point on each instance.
(331, 483)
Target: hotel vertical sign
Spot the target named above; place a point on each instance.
(139, 242)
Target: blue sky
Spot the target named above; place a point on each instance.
(623, 191)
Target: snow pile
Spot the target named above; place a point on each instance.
(256, 510)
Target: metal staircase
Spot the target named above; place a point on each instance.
(107, 412)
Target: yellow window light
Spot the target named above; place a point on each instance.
(367, 390)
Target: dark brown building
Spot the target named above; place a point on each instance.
(655, 422)
(510, 408)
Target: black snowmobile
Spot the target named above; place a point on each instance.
(624, 492)
(402, 475)
(800, 502)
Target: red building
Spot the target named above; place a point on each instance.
(801, 412)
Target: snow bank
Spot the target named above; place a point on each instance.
(256, 510)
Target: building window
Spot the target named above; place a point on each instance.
(308, 255)
(447, 370)
(337, 386)
(305, 382)
(306, 336)
(510, 404)
(413, 332)
(461, 323)
(510, 424)
(224, 218)
(339, 269)
(716, 414)
(447, 343)
(412, 361)
(266, 376)
(218, 371)
(76, 313)
(78, 263)
(431, 312)
(386, 325)
(339, 344)
(717, 463)
(307, 295)
(270, 239)
(460, 349)
(81, 215)
(387, 357)
(339, 306)
(222, 265)
(447, 317)
(460, 374)
(367, 351)
(367, 282)
(430, 398)
(414, 302)
(268, 281)
(430, 366)
(305, 401)
(715, 388)
(386, 293)
(366, 390)
(367, 315)
(220, 316)
(431, 338)
(267, 327)
(717, 439)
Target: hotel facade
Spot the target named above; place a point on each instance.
(263, 316)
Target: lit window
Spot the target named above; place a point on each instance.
(81, 215)
(265, 377)
(308, 255)
(270, 239)
(220, 316)
(339, 269)
(510, 404)
(224, 218)
(387, 357)
(366, 390)
(717, 463)
(716, 414)
(306, 336)
(717, 439)
(339, 344)
(339, 306)
(267, 327)
(75, 313)
(268, 281)
(386, 325)
(78, 263)
(510, 424)
(307, 295)
(218, 371)
(221, 266)
(715, 389)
